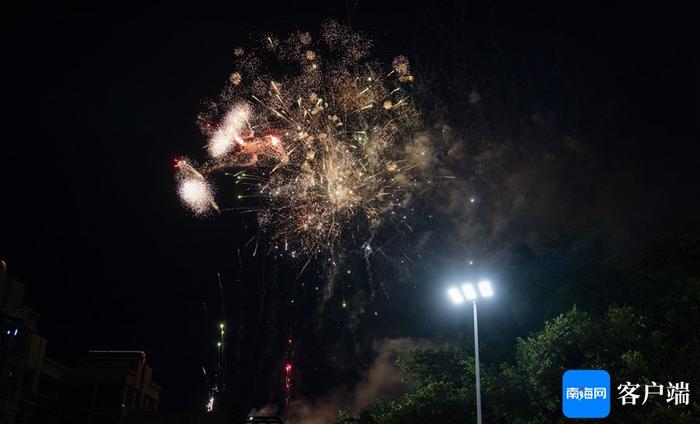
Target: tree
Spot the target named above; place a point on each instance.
(529, 391)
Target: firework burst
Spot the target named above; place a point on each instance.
(313, 128)
(195, 191)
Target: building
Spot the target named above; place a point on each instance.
(30, 382)
(107, 386)
(104, 387)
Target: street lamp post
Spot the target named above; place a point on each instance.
(476, 366)
(468, 292)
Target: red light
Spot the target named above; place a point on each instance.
(288, 367)
(289, 341)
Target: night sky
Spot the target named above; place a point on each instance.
(588, 114)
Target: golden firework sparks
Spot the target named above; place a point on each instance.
(315, 126)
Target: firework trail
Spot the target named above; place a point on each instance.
(217, 387)
(289, 371)
(239, 339)
(222, 329)
(309, 129)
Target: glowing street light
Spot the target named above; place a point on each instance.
(485, 288)
(469, 292)
(455, 295)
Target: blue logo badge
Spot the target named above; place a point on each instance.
(585, 394)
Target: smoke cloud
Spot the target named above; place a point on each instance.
(382, 381)
(267, 410)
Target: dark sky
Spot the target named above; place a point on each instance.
(98, 101)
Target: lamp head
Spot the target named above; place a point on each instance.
(469, 291)
(455, 295)
(485, 288)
